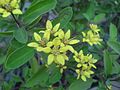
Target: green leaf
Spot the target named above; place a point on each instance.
(113, 32)
(90, 12)
(34, 65)
(38, 78)
(116, 68)
(21, 35)
(55, 76)
(107, 63)
(37, 9)
(14, 44)
(115, 46)
(81, 85)
(64, 17)
(19, 57)
(99, 18)
(2, 59)
(7, 33)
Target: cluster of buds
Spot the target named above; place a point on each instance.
(9, 6)
(92, 36)
(84, 65)
(56, 43)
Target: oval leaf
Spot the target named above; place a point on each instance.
(115, 46)
(107, 63)
(21, 35)
(19, 57)
(37, 9)
(64, 17)
(113, 32)
(99, 18)
(81, 85)
(38, 78)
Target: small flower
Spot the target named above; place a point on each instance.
(66, 40)
(40, 44)
(9, 6)
(84, 65)
(91, 38)
(94, 28)
(50, 29)
(57, 56)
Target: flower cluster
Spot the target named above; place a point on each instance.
(9, 6)
(92, 36)
(55, 42)
(85, 64)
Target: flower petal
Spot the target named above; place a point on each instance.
(56, 27)
(47, 35)
(1, 10)
(83, 78)
(56, 42)
(70, 48)
(49, 25)
(74, 41)
(6, 14)
(61, 34)
(61, 59)
(33, 44)
(17, 11)
(63, 49)
(65, 57)
(37, 36)
(67, 34)
(39, 49)
(46, 49)
(50, 59)
(49, 44)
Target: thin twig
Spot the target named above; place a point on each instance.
(16, 21)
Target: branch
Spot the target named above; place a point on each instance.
(16, 21)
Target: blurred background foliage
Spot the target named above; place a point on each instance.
(76, 15)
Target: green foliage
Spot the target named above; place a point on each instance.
(115, 46)
(21, 35)
(113, 32)
(37, 9)
(65, 16)
(23, 68)
(99, 18)
(89, 14)
(40, 77)
(107, 63)
(6, 33)
(80, 85)
(19, 57)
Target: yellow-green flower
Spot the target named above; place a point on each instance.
(57, 55)
(50, 29)
(83, 74)
(40, 44)
(9, 6)
(84, 65)
(66, 41)
(62, 68)
(91, 38)
(94, 28)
